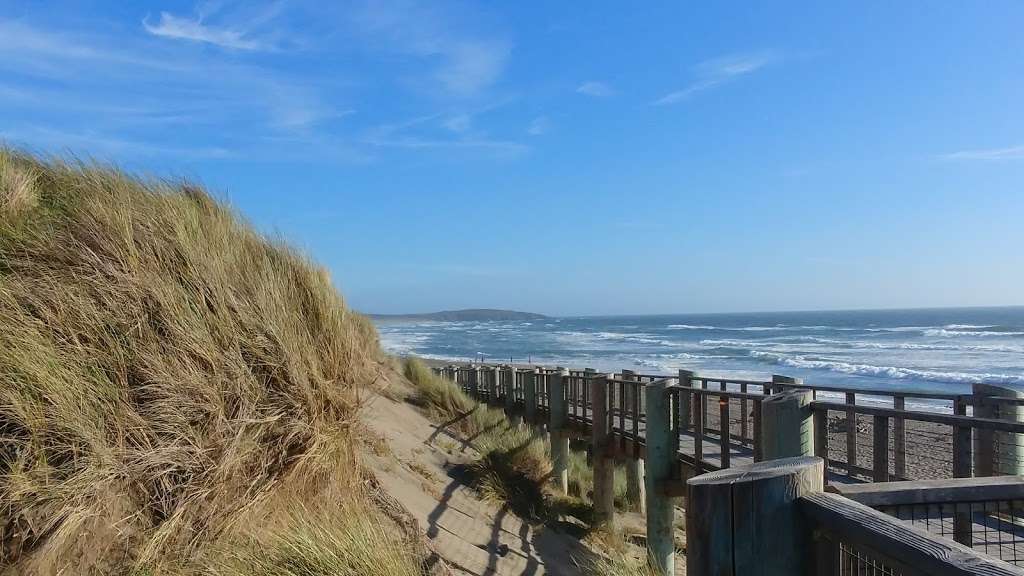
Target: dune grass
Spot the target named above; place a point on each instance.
(515, 461)
(350, 539)
(163, 367)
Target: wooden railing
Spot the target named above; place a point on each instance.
(687, 425)
(776, 518)
(720, 422)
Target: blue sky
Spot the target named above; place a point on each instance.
(568, 158)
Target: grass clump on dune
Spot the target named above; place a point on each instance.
(162, 368)
(350, 539)
(515, 461)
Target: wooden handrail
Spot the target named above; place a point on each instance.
(948, 419)
(935, 491)
(900, 545)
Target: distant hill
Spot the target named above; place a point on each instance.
(471, 315)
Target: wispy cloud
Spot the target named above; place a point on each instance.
(460, 123)
(135, 88)
(95, 143)
(594, 88)
(194, 30)
(538, 126)
(239, 34)
(468, 62)
(990, 154)
(433, 132)
(81, 88)
(716, 71)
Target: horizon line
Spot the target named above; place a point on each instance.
(635, 315)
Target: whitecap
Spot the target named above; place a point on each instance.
(894, 372)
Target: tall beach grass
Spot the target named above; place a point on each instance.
(163, 367)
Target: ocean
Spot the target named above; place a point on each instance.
(942, 350)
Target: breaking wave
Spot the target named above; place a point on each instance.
(894, 372)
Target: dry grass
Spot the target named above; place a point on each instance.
(514, 462)
(350, 540)
(162, 368)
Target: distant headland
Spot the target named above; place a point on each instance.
(468, 315)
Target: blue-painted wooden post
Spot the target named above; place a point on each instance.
(787, 424)
(661, 459)
(998, 453)
(559, 415)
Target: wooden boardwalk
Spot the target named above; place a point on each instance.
(858, 443)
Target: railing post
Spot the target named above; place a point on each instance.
(997, 453)
(787, 425)
(478, 376)
(530, 396)
(492, 385)
(851, 434)
(559, 415)
(604, 467)
(779, 383)
(963, 457)
(725, 429)
(510, 399)
(758, 435)
(880, 449)
(661, 459)
(685, 409)
(820, 419)
(963, 524)
(746, 520)
(899, 439)
(634, 464)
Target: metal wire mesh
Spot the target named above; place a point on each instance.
(923, 450)
(857, 561)
(994, 528)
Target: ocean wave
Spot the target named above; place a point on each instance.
(862, 345)
(895, 372)
(777, 327)
(946, 333)
(402, 342)
(577, 338)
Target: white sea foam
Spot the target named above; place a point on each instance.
(894, 372)
(944, 333)
(402, 342)
(863, 345)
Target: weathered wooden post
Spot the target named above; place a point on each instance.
(787, 425)
(899, 439)
(997, 453)
(745, 520)
(662, 446)
(492, 385)
(782, 383)
(559, 415)
(604, 467)
(510, 398)
(634, 464)
(478, 376)
(530, 396)
(685, 409)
